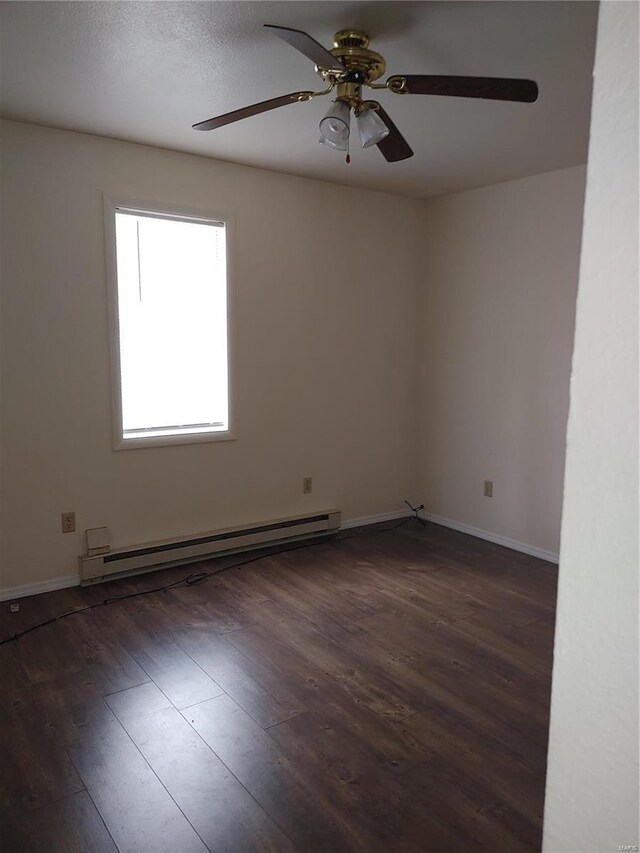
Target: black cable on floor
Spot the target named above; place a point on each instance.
(190, 580)
(199, 577)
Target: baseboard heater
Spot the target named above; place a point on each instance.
(95, 568)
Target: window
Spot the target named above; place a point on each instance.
(169, 308)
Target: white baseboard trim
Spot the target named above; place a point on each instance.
(22, 591)
(10, 592)
(372, 519)
(549, 556)
(73, 580)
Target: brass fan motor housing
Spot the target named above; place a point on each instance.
(351, 47)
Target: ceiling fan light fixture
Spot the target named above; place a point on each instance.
(337, 146)
(348, 67)
(335, 126)
(371, 128)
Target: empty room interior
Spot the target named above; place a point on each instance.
(319, 427)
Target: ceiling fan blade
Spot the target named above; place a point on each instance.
(394, 147)
(312, 49)
(495, 88)
(246, 112)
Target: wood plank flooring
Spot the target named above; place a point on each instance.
(383, 691)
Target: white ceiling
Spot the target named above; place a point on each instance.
(146, 71)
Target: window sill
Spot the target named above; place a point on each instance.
(168, 440)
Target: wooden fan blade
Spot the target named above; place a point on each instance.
(495, 88)
(246, 112)
(394, 147)
(312, 49)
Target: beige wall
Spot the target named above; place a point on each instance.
(325, 294)
(328, 384)
(499, 279)
(592, 782)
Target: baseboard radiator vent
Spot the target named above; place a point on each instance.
(95, 568)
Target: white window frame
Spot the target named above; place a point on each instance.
(166, 210)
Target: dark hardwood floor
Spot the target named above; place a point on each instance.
(381, 692)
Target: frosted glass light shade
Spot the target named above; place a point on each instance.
(371, 128)
(337, 146)
(334, 127)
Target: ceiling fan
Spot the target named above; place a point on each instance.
(348, 67)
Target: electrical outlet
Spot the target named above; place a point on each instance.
(68, 522)
(488, 488)
(307, 485)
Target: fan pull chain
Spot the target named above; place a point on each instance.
(348, 157)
